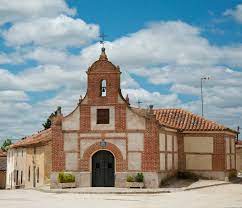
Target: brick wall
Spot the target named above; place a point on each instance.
(58, 156)
(121, 164)
(151, 153)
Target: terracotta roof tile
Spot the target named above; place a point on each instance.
(2, 153)
(41, 137)
(186, 121)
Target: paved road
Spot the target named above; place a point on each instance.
(226, 196)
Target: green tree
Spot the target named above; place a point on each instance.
(47, 124)
(6, 144)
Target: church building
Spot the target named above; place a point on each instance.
(105, 139)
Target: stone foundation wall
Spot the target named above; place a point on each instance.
(151, 179)
(84, 179)
(218, 175)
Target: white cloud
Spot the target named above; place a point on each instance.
(16, 10)
(167, 43)
(62, 31)
(236, 13)
(151, 98)
(9, 95)
(165, 53)
(47, 56)
(41, 78)
(4, 59)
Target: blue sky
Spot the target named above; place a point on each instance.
(163, 48)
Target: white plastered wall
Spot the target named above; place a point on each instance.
(198, 152)
(72, 121)
(134, 121)
(71, 161)
(135, 141)
(198, 162)
(134, 161)
(198, 144)
(70, 141)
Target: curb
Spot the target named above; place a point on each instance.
(56, 191)
(201, 187)
(96, 192)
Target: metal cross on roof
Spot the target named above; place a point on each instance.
(102, 37)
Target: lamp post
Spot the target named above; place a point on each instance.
(202, 79)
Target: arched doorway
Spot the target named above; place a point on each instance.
(103, 169)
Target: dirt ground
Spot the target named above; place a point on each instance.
(226, 196)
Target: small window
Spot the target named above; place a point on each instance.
(103, 88)
(102, 116)
(35, 150)
(38, 175)
(21, 179)
(29, 174)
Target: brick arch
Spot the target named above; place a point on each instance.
(120, 163)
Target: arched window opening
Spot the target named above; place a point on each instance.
(103, 88)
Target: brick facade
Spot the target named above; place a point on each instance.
(58, 156)
(127, 122)
(150, 155)
(121, 164)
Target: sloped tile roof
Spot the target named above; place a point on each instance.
(186, 121)
(39, 138)
(2, 153)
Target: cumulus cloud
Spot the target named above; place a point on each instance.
(61, 31)
(41, 78)
(172, 54)
(9, 95)
(167, 43)
(15, 10)
(151, 98)
(4, 58)
(236, 13)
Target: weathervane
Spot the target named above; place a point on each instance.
(102, 37)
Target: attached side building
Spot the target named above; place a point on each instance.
(29, 161)
(3, 169)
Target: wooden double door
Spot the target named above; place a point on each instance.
(103, 169)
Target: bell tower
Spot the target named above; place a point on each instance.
(103, 85)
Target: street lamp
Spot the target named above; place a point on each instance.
(202, 79)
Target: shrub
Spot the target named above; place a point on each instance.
(130, 178)
(232, 174)
(139, 177)
(187, 175)
(66, 178)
